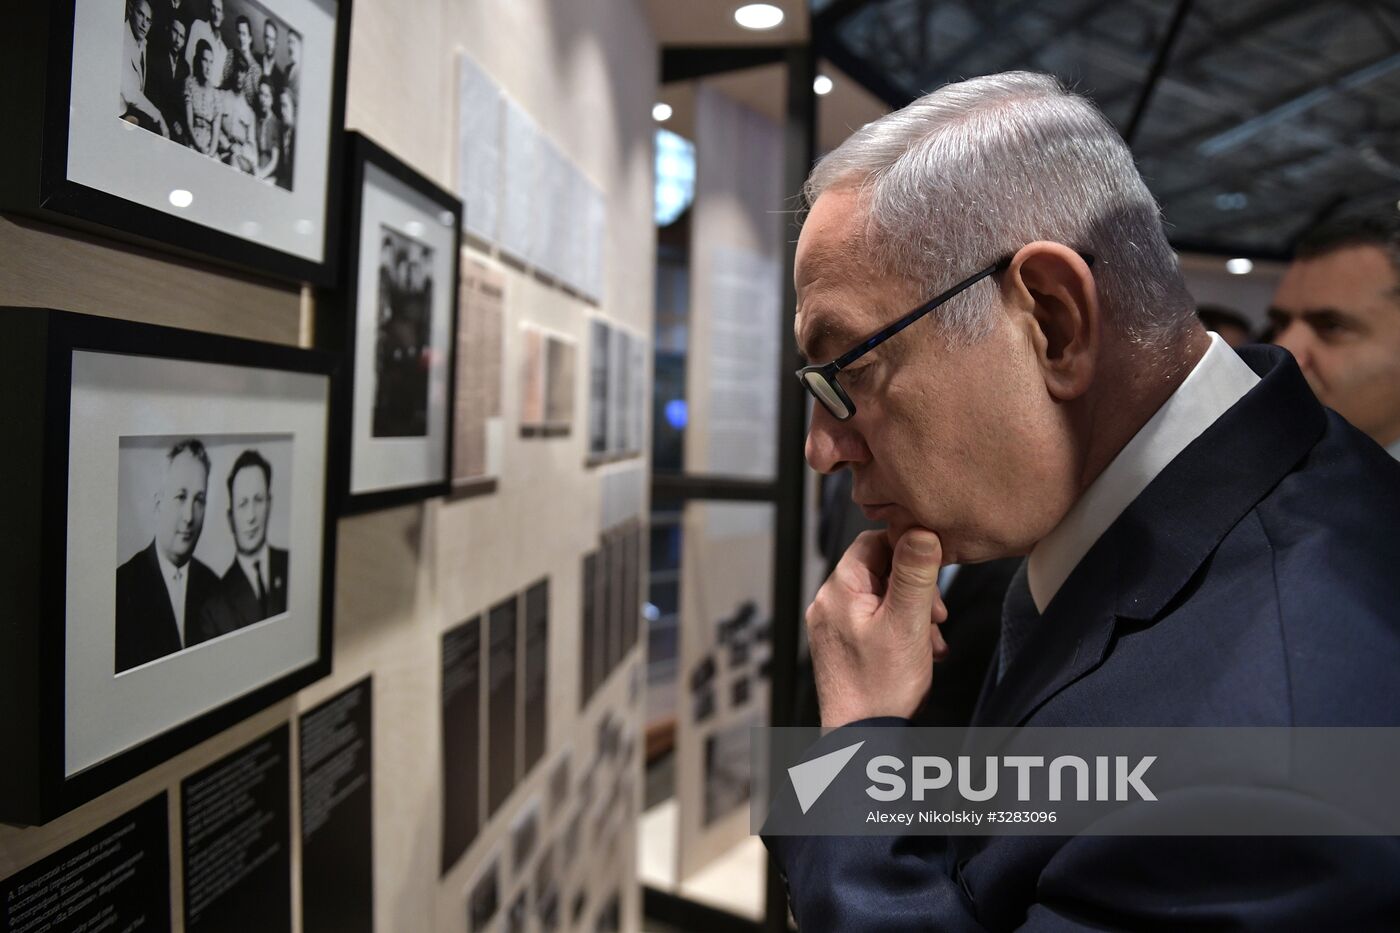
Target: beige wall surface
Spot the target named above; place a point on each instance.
(586, 72)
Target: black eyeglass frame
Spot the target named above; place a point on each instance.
(829, 370)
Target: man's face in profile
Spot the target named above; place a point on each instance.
(249, 509)
(180, 508)
(961, 440)
(1339, 315)
(293, 48)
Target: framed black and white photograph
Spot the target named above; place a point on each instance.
(174, 574)
(211, 127)
(394, 317)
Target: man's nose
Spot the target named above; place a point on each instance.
(833, 445)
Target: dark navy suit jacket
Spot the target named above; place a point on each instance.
(1256, 581)
(235, 603)
(145, 622)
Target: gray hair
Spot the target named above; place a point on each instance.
(976, 170)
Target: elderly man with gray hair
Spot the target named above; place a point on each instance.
(1006, 357)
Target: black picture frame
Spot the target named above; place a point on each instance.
(37, 363)
(36, 68)
(337, 313)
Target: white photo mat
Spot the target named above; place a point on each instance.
(115, 396)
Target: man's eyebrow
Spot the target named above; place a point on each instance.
(1275, 312)
(825, 333)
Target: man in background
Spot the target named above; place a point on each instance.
(254, 587)
(162, 589)
(1337, 310)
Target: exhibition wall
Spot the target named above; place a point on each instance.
(585, 73)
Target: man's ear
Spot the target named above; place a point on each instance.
(1052, 287)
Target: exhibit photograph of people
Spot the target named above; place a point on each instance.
(218, 76)
(197, 535)
(794, 465)
(403, 337)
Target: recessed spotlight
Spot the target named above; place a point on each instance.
(1239, 266)
(446, 218)
(758, 16)
(304, 227)
(181, 198)
(822, 85)
(661, 112)
(413, 228)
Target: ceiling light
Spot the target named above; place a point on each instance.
(1239, 266)
(181, 198)
(822, 85)
(661, 112)
(758, 16)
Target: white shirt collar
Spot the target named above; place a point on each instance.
(1217, 382)
(1394, 450)
(177, 581)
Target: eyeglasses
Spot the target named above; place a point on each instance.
(820, 378)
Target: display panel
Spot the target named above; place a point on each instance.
(116, 877)
(184, 547)
(213, 131)
(337, 813)
(395, 319)
(478, 435)
(235, 820)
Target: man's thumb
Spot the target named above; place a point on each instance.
(913, 583)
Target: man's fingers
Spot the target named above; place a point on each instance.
(913, 586)
(862, 569)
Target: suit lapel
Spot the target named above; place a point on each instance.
(277, 583)
(1164, 536)
(1065, 643)
(166, 623)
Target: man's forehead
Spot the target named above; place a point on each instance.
(833, 237)
(1352, 275)
(184, 462)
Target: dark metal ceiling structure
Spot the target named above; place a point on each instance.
(1251, 120)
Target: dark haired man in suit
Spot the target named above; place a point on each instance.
(161, 590)
(1337, 310)
(254, 587)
